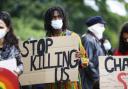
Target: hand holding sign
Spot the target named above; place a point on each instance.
(78, 56)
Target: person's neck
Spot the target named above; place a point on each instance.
(57, 33)
(1, 43)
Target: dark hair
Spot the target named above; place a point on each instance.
(9, 38)
(122, 47)
(48, 17)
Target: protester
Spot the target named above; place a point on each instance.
(55, 24)
(123, 41)
(9, 48)
(95, 45)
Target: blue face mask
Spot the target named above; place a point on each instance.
(57, 24)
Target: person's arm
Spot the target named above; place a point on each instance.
(89, 45)
(17, 55)
(84, 59)
(90, 48)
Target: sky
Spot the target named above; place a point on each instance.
(113, 5)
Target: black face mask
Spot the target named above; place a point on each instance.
(125, 46)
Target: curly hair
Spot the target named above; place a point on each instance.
(9, 38)
(48, 17)
(122, 45)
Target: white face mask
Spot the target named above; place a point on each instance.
(97, 30)
(107, 45)
(3, 32)
(57, 24)
(127, 40)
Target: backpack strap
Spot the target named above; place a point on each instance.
(68, 33)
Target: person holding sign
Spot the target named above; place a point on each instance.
(123, 41)
(9, 49)
(55, 24)
(95, 45)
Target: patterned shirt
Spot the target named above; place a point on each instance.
(9, 52)
(70, 84)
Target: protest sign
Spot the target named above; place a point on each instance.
(113, 72)
(50, 59)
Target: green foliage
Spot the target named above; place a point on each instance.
(27, 29)
(27, 16)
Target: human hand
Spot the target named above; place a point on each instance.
(84, 60)
(85, 63)
(16, 72)
(78, 55)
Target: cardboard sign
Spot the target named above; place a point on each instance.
(113, 72)
(49, 60)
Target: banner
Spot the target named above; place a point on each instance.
(113, 72)
(49, 60)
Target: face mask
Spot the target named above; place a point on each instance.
(126, 40)
(2, 33)
(97, 30)
(57, 24)
(107, 45)
(125, 46)
(126, 43)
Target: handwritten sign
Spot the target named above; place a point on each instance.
(113, 72)
(49, 60)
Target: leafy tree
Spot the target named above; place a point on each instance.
(27, 16)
